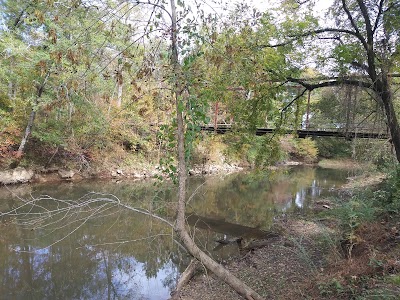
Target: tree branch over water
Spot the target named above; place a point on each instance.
(45, 212)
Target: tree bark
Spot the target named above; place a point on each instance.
(28, 129)
(120, 81)
(392, 121)
(380, 83)
(185, 278)
(180, 226)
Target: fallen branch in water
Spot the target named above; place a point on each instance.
(36, 210)
(48, 212)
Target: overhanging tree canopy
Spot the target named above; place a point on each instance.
(360, 49)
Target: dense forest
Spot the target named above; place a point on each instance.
(88, 83)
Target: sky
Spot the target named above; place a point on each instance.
(212, 6)
(263, 5)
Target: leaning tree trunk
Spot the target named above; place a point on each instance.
(27, 133)
(28, 129)
(239, 286)
(120, 81)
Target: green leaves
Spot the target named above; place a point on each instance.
(347, 54)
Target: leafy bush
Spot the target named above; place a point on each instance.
(377, 152)
(351, 214)
(210, 148)
(302, 149)
(363, 150)
(306, 149)
(51, 132)
(331, 288)
(268, 151)
(366, 206)
(388, 197)
(329, 147)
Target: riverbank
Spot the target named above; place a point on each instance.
(140, 171)
(211, 155)
(40, 175)
(312, 259)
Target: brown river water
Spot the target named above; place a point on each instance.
(119, 254)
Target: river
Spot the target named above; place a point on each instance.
(119, 254)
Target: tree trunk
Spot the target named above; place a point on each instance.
(185, 278)
(120, 82)
(222, 273)
(28, 129)
(180, 225)
(392, 121)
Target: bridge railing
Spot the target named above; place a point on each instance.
(326, 127)
(349, 128)
(347, 133)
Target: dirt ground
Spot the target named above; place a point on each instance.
(308, 262)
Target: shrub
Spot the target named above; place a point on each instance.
(306, 149)
(330, 147)
(302, 149)
(351, 214)
(388, 197)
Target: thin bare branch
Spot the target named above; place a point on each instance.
(378, 16)
(294, 38)
(155, 5)
(293, 101)
(46, 211)
(354, 25)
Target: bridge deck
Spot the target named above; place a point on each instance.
(222, 129)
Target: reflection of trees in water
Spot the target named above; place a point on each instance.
(242, 199)
(75, 268)
(254, 199)
(56, 273)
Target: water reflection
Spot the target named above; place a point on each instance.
(124, 255)
(95, 262)
(254, 199)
